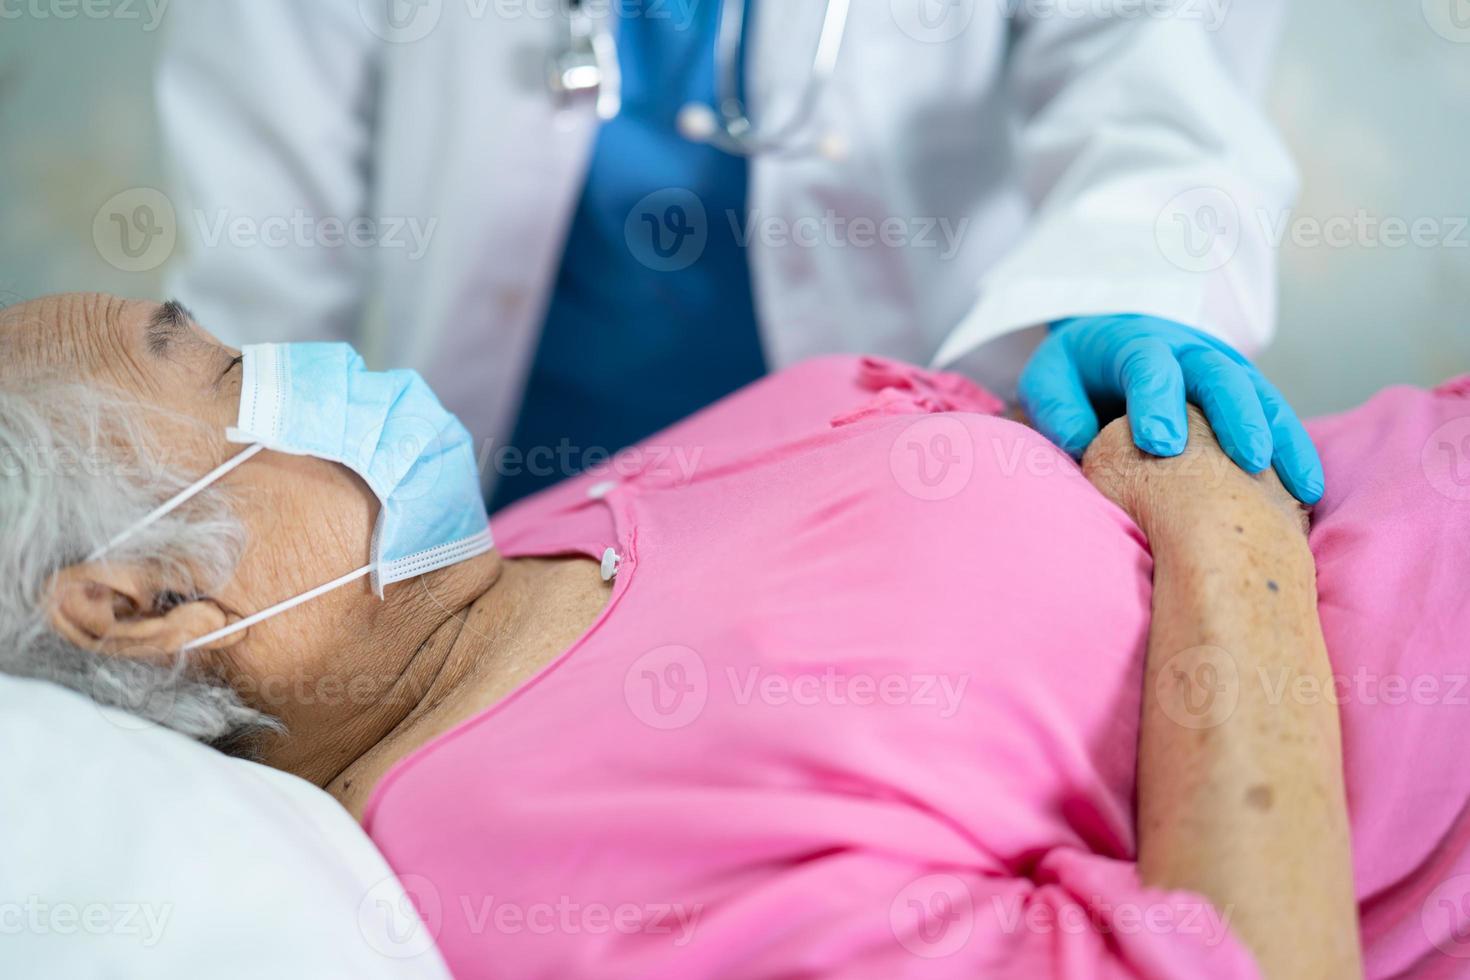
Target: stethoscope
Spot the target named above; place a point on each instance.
(586, 66)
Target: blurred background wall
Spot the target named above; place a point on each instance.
(1372, 95)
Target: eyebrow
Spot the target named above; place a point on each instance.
(166, 326)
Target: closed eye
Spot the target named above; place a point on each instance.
(235, 362)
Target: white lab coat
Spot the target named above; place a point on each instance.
(1050, 143)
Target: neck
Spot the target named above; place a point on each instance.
(471, 653)
(418, 648)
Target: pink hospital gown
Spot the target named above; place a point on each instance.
(864, 703)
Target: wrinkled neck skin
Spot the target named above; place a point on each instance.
(458, 640)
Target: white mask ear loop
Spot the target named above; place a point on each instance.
(182, 497)
(178, 499)
(275, 610)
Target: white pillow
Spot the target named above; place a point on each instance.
(129, 851)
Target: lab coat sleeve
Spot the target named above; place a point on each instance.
(1156, 180)
(265, 108)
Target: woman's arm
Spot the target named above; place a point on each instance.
(1240, 785)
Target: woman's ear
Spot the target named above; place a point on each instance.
(111, 608)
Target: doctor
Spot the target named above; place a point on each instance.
(583, 220)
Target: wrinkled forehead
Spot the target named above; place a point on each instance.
(88, 336)
(148, 353)
(72, 333)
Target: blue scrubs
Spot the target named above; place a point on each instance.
(652, 315)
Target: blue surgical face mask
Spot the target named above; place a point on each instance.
(387, 427)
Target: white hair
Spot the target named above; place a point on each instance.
(78, 467)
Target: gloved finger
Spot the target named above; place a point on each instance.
(1223, 348)
(1151, 381)
(1226, 393)
(1294, 455)
(1051, 392)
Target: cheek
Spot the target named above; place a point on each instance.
(309, 521)
(300, 668)
(333, 513)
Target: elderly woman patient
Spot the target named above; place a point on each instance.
(882, 686)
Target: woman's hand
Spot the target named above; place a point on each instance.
(1242, 802)
(1152, 364)
(1164, 494)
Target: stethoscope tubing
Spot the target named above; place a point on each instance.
(729, 125)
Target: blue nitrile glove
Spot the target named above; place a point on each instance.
(1155, 365)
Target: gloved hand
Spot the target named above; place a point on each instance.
(1155, 365)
